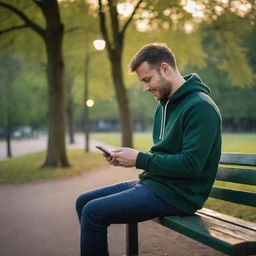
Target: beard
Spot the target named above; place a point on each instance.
(164, 89)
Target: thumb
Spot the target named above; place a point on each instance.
(116, 150)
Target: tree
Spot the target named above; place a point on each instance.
(9, 69)
(52, 36)
(115, 44)
(230, 39)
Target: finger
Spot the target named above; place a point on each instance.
(113, 160)
(116, 150)
(116, 163)
(108, 158)
(116, 155)
(105, 155)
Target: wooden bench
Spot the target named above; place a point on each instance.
(231, 235)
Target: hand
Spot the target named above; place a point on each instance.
(112, 160)
(125, 157)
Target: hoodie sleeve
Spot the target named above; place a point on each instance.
(201, 126)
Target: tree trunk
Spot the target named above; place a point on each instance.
(8, 134)
(70, 116)
(123, 102)
(115, 48)
(56, 153)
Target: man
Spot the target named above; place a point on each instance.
(181, 166)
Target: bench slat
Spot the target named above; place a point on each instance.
(235, 196)
(224, 236)
(227, 218)
(237, 175)
(238, 158)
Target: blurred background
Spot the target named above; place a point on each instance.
(65, 86)
(66, 62)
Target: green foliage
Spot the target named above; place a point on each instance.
(33, 97)
(21, 93)
(142, 103)
(104, 109)
(27, 168)
(9, 71)
(230, 87)
(142, 106)
(27, 47)
(81, 30)
(235, 63)
(227, 35)
(24, 42)
(189, 51)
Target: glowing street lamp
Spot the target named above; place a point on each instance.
(99, 44)
(89, 103)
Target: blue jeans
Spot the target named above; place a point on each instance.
(127, 202)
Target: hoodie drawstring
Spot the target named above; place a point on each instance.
(164, 109)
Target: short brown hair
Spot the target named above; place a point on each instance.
(154, 54)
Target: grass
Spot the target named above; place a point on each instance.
(27, 168)
(142, 140)
(245, 143)
(236, 210)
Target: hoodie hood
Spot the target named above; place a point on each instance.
(193, 83)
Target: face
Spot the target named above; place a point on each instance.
(154, 81)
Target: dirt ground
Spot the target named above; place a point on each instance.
(39, 220)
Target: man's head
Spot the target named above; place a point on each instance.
(155, 67)
(154, 54)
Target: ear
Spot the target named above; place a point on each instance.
(165, 68)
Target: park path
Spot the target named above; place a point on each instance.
(39, 219)
(22, 147)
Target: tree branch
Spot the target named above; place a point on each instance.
(12, 28)
(131, 17)
(73, 29)
(114, 20)
(27, 21)
(103, 26)
(38, 3)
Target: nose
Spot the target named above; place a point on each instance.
(146, 88)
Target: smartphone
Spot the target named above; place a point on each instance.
(104, 150)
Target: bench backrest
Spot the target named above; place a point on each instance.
(245, 175)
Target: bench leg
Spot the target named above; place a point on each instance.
(132, 248)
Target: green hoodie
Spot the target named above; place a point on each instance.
(182, 164)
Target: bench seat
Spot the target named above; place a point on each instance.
(228, 234)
